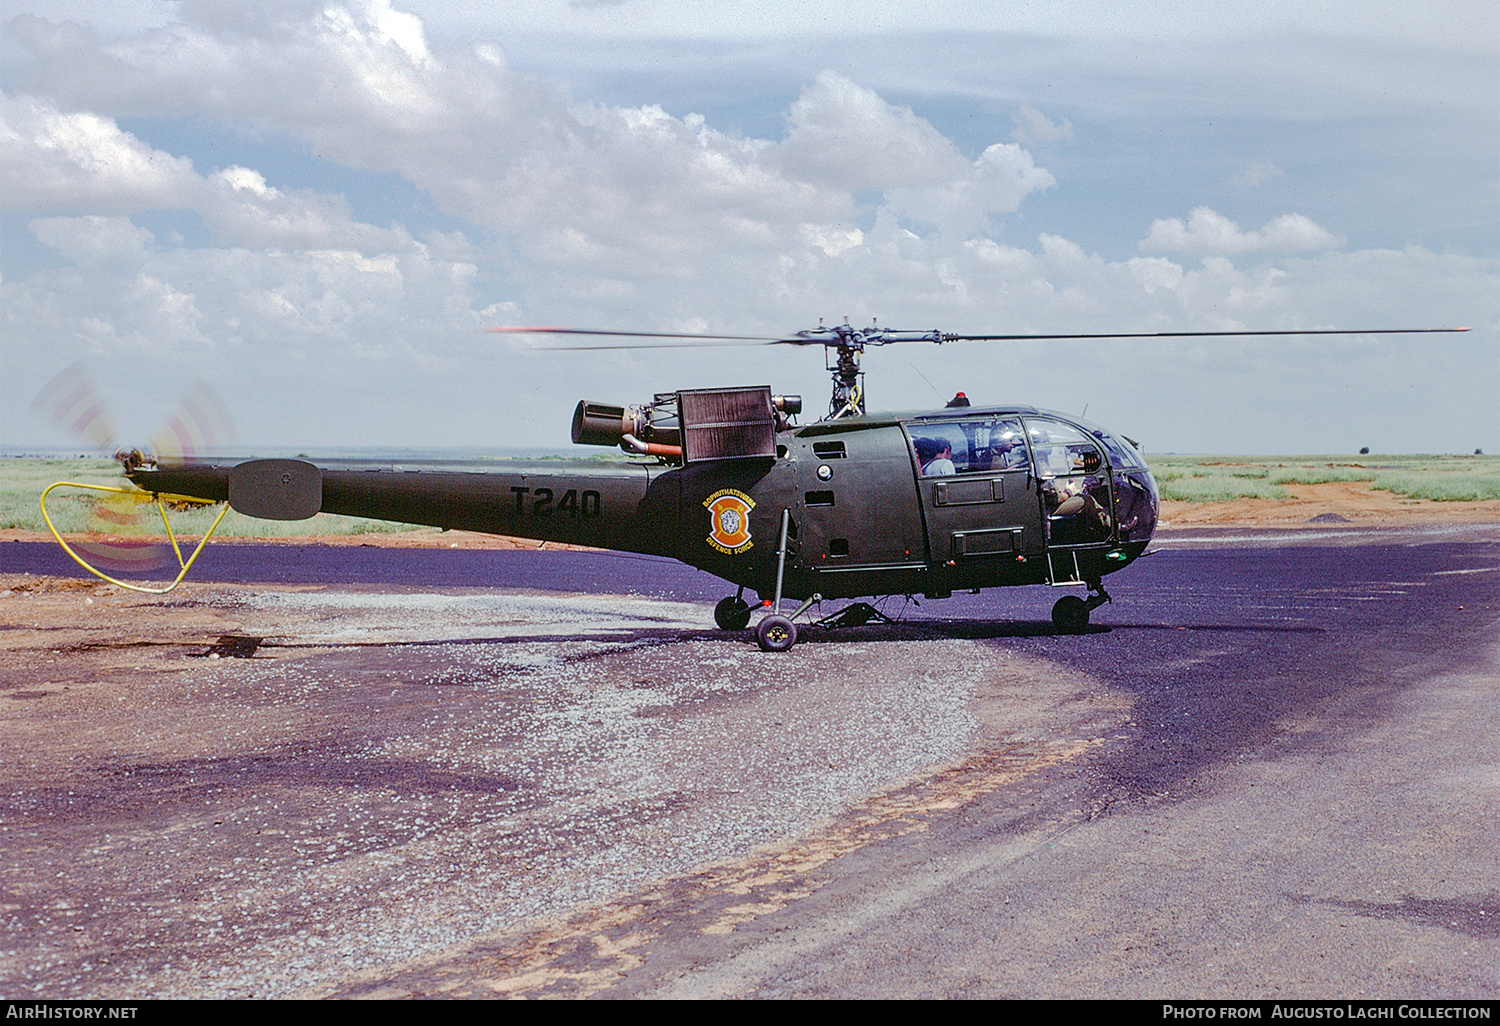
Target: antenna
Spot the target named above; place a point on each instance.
(929, 383)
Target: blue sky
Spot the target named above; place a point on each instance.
(317, 206)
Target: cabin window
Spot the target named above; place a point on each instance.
(979, 446)
(829, 450)
(838, 546)
(818, 498)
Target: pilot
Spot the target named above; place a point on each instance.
(1074, 497)
(1008, 453)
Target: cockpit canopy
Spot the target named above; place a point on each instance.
(999, 441)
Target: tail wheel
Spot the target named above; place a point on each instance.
(776, 633)
(1070, 614)
(732, 614)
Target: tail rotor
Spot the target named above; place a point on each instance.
(120, 533)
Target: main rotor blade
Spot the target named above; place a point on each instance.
(758, 339)
(1191, 334)
(886, 336)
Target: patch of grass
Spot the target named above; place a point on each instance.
(1440, 486)
(1218, 488)
(22, 481)
(1223, 479)
(1212, 479)
(1321, 475)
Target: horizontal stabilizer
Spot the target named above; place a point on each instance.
(276, 489)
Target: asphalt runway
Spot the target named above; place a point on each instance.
(1269, 769)
(546, 570)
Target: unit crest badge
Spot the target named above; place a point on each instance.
(729, 520)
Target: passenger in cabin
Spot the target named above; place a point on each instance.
(1132, 504)
(942, 464)
(935, 455)
(925, 448)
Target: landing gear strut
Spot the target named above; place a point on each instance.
(777, 633)
(1071, 614)
(857, 615)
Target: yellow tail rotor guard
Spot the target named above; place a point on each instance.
(139, 496)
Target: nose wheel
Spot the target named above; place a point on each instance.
(776, 633)
(1070, 614)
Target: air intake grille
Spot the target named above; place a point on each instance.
(727, 423)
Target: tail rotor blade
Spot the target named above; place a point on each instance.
(200, 424)
(74, 403)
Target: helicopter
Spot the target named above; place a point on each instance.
(851, 506)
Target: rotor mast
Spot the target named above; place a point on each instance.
(842, 346)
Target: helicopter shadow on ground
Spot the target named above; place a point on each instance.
(986, 630)
(808, 634)
(617, 636)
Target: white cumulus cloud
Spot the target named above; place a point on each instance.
(1208, 233)
(51, 158)
(1258, 172)
(1033, 128)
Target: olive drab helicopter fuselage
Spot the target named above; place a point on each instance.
(725, 480)
(836, 509)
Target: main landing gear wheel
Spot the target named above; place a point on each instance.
(1070, 614)
(776, 633)
(732, 614)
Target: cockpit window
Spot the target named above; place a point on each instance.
(1122, 453)
(1061, 449)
